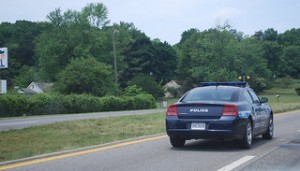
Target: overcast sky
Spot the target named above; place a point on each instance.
(167, 19)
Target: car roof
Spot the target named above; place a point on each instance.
(220, 87)
(235, 84)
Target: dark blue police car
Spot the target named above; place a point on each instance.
(227, 110)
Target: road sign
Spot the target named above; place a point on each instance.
(3, 57)
(3, 86)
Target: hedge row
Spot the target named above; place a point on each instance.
(43, 104)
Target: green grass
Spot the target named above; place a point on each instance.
(38, 140)
(288, 100)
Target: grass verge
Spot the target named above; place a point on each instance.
(38, 140)
(288, 100)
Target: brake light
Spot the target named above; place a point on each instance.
(230, 110)
(172, 110)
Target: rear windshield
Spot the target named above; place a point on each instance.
(212, 94)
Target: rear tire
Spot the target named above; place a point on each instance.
(269, 134)
(248, 136)
(177, 142)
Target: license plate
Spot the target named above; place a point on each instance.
(198, 126)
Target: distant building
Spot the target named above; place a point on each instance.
(39, 87)
(36, 88)
(171, 89)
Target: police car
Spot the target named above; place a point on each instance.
(227, 110)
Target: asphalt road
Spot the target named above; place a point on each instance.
(281, 153)
(20, 123)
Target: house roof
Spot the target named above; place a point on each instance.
(172, 83)
(43, 86)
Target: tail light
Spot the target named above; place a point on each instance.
(172, 110)
(230, 110)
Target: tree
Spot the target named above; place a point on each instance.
(267, 35)
(72, 35)
(290, 37)
(186, 35)
(184, 51)
(207, 55)
(258, 35)
(133, 90)
(270, 35)
(248, 59)
(219, 55)
(148, 84)
(26, 76)
(272, 52)
(95, 14)
(86, 75)
(19, 38)
(163, 61)
(144, 56)
(291, 61)
(137, 56)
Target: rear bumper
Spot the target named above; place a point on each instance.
(225, 127)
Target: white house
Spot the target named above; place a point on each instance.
(171, 84)
(39, 87)
(35, 88)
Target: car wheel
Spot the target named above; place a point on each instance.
(269, 134)
(248, 137)
(177, 142)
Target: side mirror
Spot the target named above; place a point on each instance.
(264, 100)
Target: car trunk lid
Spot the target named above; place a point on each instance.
(200, 110)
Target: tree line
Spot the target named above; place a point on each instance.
(74, 50)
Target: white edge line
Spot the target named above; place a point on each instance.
(17, 123)
(236, 163)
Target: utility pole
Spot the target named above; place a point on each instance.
(115, 56)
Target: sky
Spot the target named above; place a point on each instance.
(168, 19)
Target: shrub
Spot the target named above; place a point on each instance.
(129, 103)
(132, 90)
(144, 101)
(82, 103)
(148, 84)
(13, 105)
(86, 75)
(112, 103)
(41, 104)
(297, 91)
(258, 84)
(284, 82)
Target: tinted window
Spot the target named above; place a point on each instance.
(247, 97)
(211, 93)
(254, 97)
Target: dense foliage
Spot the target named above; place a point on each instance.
(86, 76)
(74, 50)
(42, 104)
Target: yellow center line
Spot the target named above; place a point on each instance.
(10, 166)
